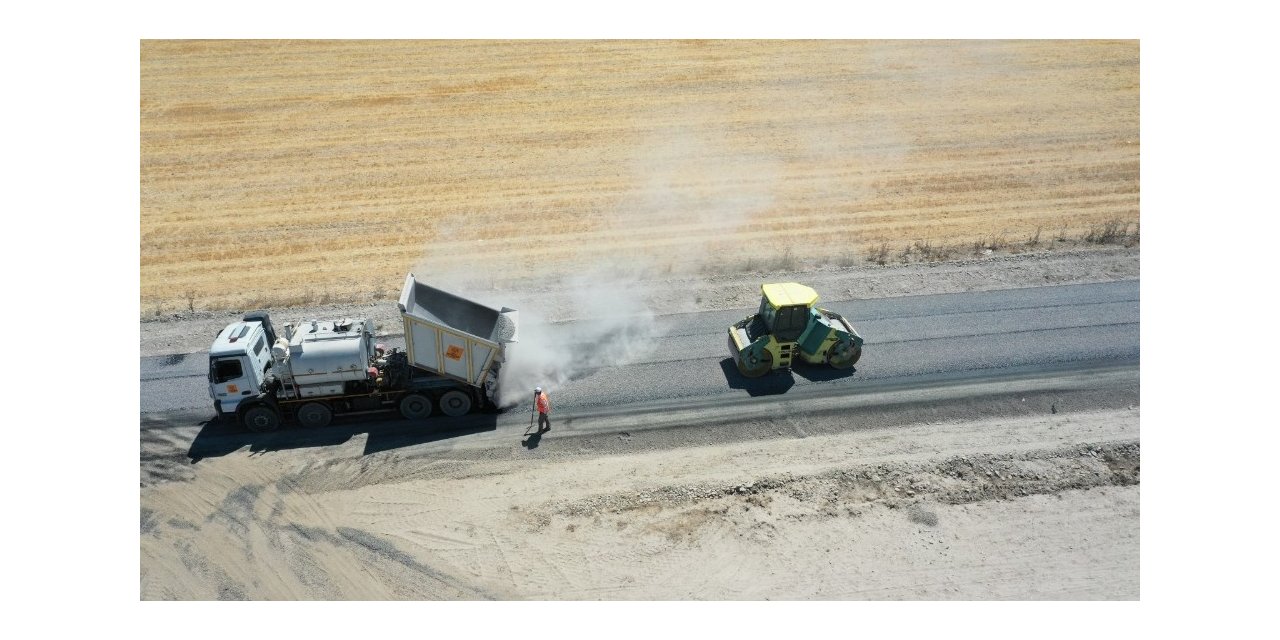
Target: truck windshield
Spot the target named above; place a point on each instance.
(224, 369)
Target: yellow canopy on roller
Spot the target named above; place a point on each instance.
(785, 294)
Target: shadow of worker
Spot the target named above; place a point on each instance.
(532, 441)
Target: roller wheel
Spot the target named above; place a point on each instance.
(751, 367)
(843, 355)
(314, 415)
(415, 406)
(455, 403)
(261, 418)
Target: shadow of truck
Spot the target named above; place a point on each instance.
(220, 437)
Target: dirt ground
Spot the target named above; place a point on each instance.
(1030, 507)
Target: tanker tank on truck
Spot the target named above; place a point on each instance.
(454, 350)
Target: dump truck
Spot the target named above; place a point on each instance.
(790, 325)
(314, 370)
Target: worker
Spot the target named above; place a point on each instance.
(544, 407)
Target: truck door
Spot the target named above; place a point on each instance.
(229, 379)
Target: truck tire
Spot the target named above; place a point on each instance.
(455, 403)
(261, 418)
(415, 406)
(314, 415)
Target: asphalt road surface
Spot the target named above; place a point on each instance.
(1059, 338)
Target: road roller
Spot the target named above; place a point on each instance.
(788, 326)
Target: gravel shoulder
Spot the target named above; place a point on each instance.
(554, 301)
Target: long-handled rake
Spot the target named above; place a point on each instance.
(532, 414)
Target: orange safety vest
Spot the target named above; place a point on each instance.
(544, 405)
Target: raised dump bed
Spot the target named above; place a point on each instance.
(452, 336)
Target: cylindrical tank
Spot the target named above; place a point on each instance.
(329, 352)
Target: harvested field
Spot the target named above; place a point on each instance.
(342, 165)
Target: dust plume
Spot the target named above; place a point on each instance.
(687, 183)
(613, 325)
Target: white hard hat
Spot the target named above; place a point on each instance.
(537, 389)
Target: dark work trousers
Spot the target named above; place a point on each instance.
(544, 423)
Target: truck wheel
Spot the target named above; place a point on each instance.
(261, 418)
(415, 406)
(843, 355)
(314, 415)
(455, 403)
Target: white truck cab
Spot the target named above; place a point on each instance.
(238, 363)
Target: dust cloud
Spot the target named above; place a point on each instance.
(569, 326)
(613, 325)
(687, 177)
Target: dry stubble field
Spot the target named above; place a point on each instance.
(277, 173)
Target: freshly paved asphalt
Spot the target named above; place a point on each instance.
(911, 342)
